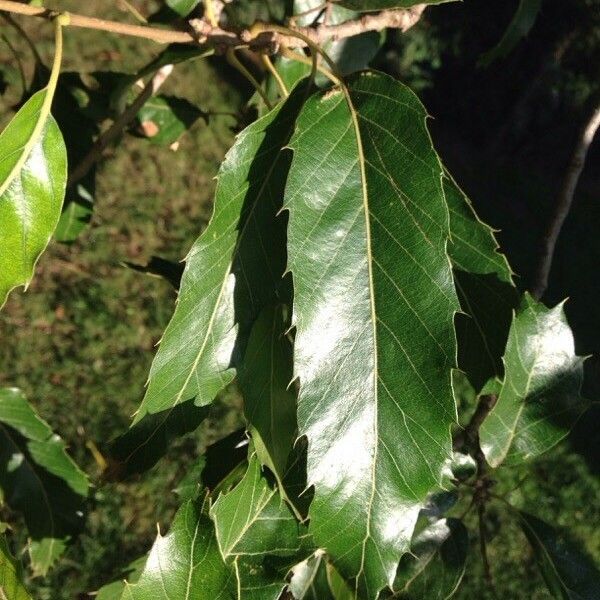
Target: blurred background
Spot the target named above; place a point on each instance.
(81, 340)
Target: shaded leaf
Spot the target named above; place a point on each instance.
(11, 580)
(252, 520)
(114, 590)
(33, 174)
(520, 25)
(229, 275)
(568, 572)
(223, 458)
(39, 479)
(163, 119)
(374, 309)
(309, 579)
(367, 5)
(160, 267)
(146, 442)
(190, 485)
(539, 400)
(258, 580)
(185, 563)
(269, 400)
(485, 289)
(437, 562)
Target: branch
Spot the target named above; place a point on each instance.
(564, 202)
(206, 33)
(104, 140)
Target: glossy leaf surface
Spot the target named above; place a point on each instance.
(569, 574)
(252, 520)
(539, 400)
(33, 174)
(185, 564)
(269, 400)
(38, 479)
(437, 562)
(374, 303)
(485, 289)
(11, 582)
(233, 270)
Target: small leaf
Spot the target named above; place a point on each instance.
(11, 580)
(33, 175)
(38, 478)
(374, 306)
(229, 275)
(163, 119)
(520, 25)
(160, 267)
(309, 579)
(539, 400)
(269, 399)
(569, 574)
(252, 520)
(485, 289)
(142, 446)
(185, 563)
(182, 7)
(436, 564)
(114, 590)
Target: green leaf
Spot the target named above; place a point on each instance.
(269, 400)
(11, 580)
(252, 520)
(539, 400)
(436, 564)
(164, 119)
(374, 309)
(114, 590)
(520, 25)
(258, 580)
(368, 5)
(485, 289)
(185, 563)
(316, 579)
(569, 574)
(38, 479)
(182, 7)
(33, 175)
(234, 269)
(144, 444)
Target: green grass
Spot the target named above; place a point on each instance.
(81, 340)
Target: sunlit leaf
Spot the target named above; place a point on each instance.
(374, 308)
(33, 174)
(39, 479)
(185, 563)
(540, 397)
(11, 582)
(233, 271)
(568, 572)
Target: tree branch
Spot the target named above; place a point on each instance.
(564, 202)
(118, 125)
(206, 33)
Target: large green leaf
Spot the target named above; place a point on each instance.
(539, 400)
(374, 309)
(367, 5)
(568, 572)
(33, 175)
(520, 25)
(38, 479)
(234, 269)
(316, 579)
(436, 564)
(11, 582)
(186, 563)
(485, 288)
(269, 400)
